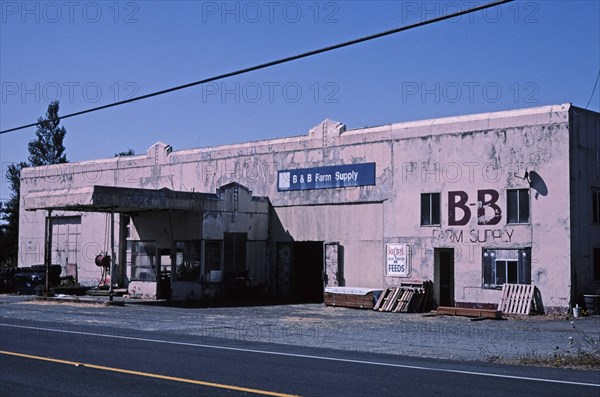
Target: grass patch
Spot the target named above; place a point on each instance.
(579, 360)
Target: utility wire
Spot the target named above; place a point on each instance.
(594, 90)
(277, 62)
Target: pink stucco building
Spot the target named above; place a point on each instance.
(469, 202)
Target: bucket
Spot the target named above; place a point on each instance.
(576, 312)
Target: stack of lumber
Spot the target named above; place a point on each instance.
(468, 312)
(360, 298)
(410, 297)
(517, 298)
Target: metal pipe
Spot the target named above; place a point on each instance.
(112, 253)
(48, 250)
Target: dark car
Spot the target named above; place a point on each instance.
(32, 280)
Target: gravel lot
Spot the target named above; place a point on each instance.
(316, 325)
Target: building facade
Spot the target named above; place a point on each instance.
(469, 202)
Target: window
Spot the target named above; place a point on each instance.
(595, 205)
(596, 264)
(517, 204)
(143, 260)
(506, 271)
(506, 266)
(187, 261)
(430, 209)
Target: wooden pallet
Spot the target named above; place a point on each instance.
(410, 297)
(387, 300)
(517, 298)
(404, 300)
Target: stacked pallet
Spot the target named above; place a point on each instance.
(410, 297)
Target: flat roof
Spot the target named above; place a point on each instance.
(403, 130)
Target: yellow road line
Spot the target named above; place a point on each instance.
(149, 375)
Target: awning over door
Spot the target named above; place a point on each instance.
(117, 199)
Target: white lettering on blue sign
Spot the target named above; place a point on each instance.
(347, 175)
(323, 178)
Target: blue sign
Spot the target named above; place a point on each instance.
(348, 175)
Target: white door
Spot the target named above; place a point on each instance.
(66, 238)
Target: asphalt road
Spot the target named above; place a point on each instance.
(54, 359)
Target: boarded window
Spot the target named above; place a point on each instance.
(506, 266)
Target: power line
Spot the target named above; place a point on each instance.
(594, 90)
(278, 62)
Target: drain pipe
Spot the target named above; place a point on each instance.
(48, 250)
(112, 253)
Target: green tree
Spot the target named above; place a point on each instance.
(128, 152)
(9, 214)
(47, 147)
(3, 253)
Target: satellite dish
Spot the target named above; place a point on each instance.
(537, 183)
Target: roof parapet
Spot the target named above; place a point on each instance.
(159, 152)
(327, 129)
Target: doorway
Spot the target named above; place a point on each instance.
(66, 238)
(307, 274)
(444, 274)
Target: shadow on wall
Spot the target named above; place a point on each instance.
(301, 268)
(537, 301)
(340, 275)
(281, 261)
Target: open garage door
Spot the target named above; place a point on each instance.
(307, 274)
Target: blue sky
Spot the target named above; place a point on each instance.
(90, 53)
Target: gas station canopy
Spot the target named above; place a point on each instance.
(115, 199)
